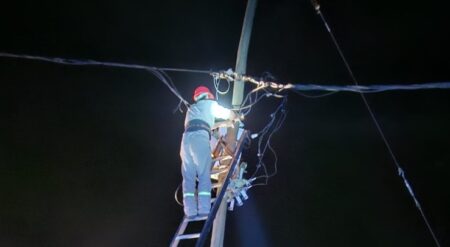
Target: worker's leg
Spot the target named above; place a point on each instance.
(202, 158)
(188, 170)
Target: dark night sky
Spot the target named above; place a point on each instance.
(89, 155)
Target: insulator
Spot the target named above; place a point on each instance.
(238, 200)
(231, 206)
(244, 194)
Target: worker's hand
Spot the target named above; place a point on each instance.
(231, 122)
(221, 124)
(235, 117)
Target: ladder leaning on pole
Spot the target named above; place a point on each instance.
(201, 236)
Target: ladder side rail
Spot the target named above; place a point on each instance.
(212, 215)
(181, 229)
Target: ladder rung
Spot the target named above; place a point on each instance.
(224, 157)
(217, 171)
(188, 236)
(198, 218)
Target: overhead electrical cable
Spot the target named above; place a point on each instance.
(400, 170)
(81, 62)
(159, 73)
(357, 88)
(231, 76)
(370, 88)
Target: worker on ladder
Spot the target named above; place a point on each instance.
(196, 151)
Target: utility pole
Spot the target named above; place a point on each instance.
(218, 231)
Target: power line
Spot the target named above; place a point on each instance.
(357, 88)
(400, 170)
(89, 62)
(231, 76)
(159, 73)
(370, 88)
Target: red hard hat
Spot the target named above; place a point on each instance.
(202, 90)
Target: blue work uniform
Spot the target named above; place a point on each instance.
(196, 155)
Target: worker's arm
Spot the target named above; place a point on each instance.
(221, 112)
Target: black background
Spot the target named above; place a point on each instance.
(89, 155)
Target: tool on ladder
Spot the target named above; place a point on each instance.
(201, 237)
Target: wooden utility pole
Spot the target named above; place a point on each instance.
(241, 60)
(218, 231)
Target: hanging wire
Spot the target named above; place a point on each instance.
(176, 195)
(217, 82)
(162, 76)
(264, 138)
(268, 145)
(400, 170)
(262, 90)
(252, 98)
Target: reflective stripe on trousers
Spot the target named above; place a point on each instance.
(188, 194)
